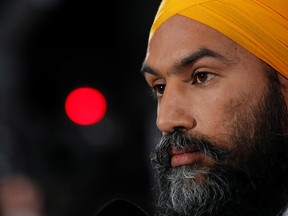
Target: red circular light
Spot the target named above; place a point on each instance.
(85, 106)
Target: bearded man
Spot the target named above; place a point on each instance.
(218, 70)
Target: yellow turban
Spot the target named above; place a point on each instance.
(260, 26)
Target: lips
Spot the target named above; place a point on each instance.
(184, 157)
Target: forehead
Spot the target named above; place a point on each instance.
(179, 36)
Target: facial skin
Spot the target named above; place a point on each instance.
(223, 115)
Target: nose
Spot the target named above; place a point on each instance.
(175, 111)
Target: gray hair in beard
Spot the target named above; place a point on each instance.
(180, 186)
(185, 190)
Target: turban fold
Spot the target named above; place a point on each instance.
(260, 26)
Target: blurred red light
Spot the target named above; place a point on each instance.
(85, 106)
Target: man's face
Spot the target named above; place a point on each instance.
(219, 116)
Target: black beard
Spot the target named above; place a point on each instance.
(250, 180)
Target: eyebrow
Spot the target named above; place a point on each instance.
(187, 60)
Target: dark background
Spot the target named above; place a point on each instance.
(47, 49)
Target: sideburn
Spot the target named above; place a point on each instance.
(261, 151)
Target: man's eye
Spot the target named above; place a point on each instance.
(159, 89)
(202, 77)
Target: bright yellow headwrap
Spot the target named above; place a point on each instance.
(260, 26)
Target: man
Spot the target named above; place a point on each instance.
(219, 69)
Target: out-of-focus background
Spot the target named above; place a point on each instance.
(50, 164)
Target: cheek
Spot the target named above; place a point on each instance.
(218, 118)
(210, 117)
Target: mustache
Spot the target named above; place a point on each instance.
(181, 140)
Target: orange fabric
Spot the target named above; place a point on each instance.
(260, 26)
